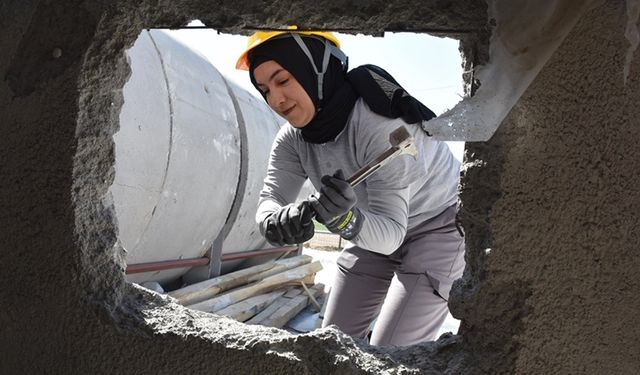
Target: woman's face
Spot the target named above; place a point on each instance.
(284, 94)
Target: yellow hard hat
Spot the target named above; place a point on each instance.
(260, 37)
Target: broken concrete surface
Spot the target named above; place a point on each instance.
(553, 194)
(551, 208)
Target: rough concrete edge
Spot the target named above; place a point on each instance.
(489, 336)
(119, 302)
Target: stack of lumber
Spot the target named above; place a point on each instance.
(268, 294)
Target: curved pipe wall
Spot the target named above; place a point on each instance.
(191, 155)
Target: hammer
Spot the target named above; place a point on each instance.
(401, 143)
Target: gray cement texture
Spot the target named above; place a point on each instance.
(553, 195)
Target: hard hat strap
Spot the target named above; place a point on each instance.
(335, 51)
(325, 61)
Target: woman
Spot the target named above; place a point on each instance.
(405, 247)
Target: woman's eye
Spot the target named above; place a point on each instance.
(284, 81)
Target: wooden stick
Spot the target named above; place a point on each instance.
(209, 288)
(270, 283)
(278, 303)
(244, 310)
(290, 309)
(309, 280)
(312, 299)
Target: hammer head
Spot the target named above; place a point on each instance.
(403, 141)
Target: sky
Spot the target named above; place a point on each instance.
(428, 67)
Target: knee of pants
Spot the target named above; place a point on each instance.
(411, 312)
(359, 261)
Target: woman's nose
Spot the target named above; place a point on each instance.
(276, 98)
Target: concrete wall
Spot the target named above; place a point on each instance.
(553, 194)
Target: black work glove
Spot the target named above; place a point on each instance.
(335, 199)
(291, 224)
(334, 206)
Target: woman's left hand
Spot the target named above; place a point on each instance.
(336, 197)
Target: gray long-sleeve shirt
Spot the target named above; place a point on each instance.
(397, 197)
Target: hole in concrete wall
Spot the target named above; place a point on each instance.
(190, 158)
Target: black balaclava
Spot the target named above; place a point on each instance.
(332, 112)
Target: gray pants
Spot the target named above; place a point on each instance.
(406, 290)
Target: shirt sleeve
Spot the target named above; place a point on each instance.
(285, 175)
(388, 190)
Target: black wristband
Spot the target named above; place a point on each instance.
(348, 225)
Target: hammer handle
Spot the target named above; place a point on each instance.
(373, 166)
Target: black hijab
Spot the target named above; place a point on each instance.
(338, 96)
(340, 89)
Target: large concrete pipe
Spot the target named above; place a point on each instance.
(191, 156)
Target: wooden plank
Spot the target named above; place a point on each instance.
(290, 309)
(270, 283)
(209, 288)
(278, 303)
(292, 292)
(281, 266)
(244, 310)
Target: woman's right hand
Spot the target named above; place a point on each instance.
(291, 224)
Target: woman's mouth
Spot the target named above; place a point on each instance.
(287, 111)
